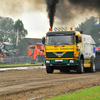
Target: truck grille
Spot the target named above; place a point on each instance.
(66, 55)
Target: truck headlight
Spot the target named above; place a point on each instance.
(47, 61)
(71, 61)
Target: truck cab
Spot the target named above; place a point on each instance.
(64, 51)
(36, 51)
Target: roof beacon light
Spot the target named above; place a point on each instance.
(50, 29)
(71, 28)
(60, 29)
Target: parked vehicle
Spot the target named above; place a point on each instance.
(7, 49)
(36, 51)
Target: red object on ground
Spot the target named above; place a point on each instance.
(36, 51)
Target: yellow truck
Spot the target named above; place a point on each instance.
(69, 50)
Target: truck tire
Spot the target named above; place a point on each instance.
(80, 67)
(49, 69)
(93, 67)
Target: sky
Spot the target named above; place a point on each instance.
(37, 24)
(35, 18)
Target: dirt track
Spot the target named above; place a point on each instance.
(27, 84)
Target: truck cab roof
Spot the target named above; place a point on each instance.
(62, 33)
(56, 33)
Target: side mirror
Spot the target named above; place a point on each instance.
(43, 40)
(79, 39)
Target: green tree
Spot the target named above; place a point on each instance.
(23, 46)
(18, 26)
(8, 31)
(6, 28)
(89, 28)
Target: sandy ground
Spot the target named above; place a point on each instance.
(36, 84)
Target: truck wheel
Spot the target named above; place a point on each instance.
(49, 69)
(93, 67)
(80, 67)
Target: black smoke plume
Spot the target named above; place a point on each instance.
(69, 11)
(51, 9)
(91, 4)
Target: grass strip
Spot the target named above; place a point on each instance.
(19, 65)
(86, 94)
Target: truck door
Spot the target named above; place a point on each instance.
(78, 45)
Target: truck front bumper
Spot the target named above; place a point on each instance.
(62, 62)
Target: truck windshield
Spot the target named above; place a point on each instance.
(32, 47)
(60, 40)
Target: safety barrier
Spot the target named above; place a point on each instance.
(27, 59)
(13, 60)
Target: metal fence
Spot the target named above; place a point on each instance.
(15, 60)
(27, 59)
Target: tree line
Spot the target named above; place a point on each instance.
(8, 32)
(9, 28)
(88, 27)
